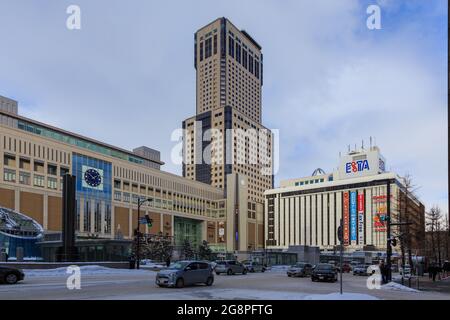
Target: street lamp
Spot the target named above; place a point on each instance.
(138, 235)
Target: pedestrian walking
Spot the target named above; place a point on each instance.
(446, 268)
(383, 272)
(430, 270)
(434, 271)
(168, 262)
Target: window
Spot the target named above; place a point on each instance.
(116, 184)
(9, 175)
(38, 181)
(63, 171)
(238, 52)
(52, 183)
(201, 51)
(126, 197)
(38, 167)
(9, 160)
(208, 48)
(117, 195)
(244, 59)
(257, 69)
(52, 170)
(231, 46)
(24, 178)
(24, 164)
(250, 63)
(215, 43)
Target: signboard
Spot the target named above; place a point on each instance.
(346, 219)
(379, 218)
(353, 217)
(361, 218)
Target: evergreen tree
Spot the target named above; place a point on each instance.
(187, 251)
(204, 251)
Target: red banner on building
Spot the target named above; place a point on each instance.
(346, 218)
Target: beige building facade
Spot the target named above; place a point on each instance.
(226, 136)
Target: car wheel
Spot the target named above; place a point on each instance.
(180, 283)
(218, 273)
(289, 275)
(229, 272)
(209, 281)
(263, 269)
(313, 279)
(11, 278)
(244, 271)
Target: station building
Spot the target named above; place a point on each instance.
(109, 181)
(307, 211)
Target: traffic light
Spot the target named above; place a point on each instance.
(149, 220)
(340, 234)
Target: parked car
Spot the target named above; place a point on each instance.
(360, 270)
(345, 268)
(254, 266)
(230, 267)
(11, 275)
(324, 272)
(300, 269)
(182, 273)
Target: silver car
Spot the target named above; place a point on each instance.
(300, 269)
(254, 266)
(182, 273)
(230, 267)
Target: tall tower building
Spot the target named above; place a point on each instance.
(225, 142)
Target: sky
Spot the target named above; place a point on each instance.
(127, 76)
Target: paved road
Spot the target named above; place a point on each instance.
(141, 285)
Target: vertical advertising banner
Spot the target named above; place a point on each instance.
(360, 218)
(346, 219)
(353, 217)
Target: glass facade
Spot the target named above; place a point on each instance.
(94, 199)
(53, 134)
(187, 229)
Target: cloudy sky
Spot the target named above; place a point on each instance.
(127, 77)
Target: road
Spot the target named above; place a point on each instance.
(141, 285)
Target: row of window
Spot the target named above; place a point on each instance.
(10, 175)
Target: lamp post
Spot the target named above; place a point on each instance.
(138, 235)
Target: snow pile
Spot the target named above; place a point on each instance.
(397, 287)
(338, 296)
(85, 270)
(280, 268)
(152, 266)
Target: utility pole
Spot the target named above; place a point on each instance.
(388, 231)
(341, 241)
(140, 202)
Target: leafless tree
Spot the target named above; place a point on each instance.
(433, 219)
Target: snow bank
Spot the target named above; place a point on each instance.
(279, 268)
(85, 270)
(338, 296)
(397, 287)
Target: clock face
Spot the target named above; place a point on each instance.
(92, 178)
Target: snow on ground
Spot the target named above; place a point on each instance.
(397, 287)
(85, 270)
(338, 296)
(280, 268)
(239, 294)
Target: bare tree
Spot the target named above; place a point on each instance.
(433, 218)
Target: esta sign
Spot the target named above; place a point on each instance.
(356, 166)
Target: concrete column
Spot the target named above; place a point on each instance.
(102, 213)
(17, 199)
(81, 201)
(113, 223)
(45, 218)
(92, 209)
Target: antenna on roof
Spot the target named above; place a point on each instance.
(348, 148)
(362, 144)
(370, 142)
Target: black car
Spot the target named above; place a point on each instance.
(324, 272)
(10, 275)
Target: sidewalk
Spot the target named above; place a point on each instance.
(427, 284)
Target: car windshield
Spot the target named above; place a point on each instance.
(299, 265)
(178, 265)
(221, 262)
(324, 267)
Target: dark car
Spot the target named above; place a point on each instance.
(324, 272)
(182, 273)
(230, 267)
(10, 275)
(300, 269)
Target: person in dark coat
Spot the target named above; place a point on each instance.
(168, 261)
(383, 271)
(434, 271)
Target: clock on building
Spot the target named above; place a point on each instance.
(92, 178)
